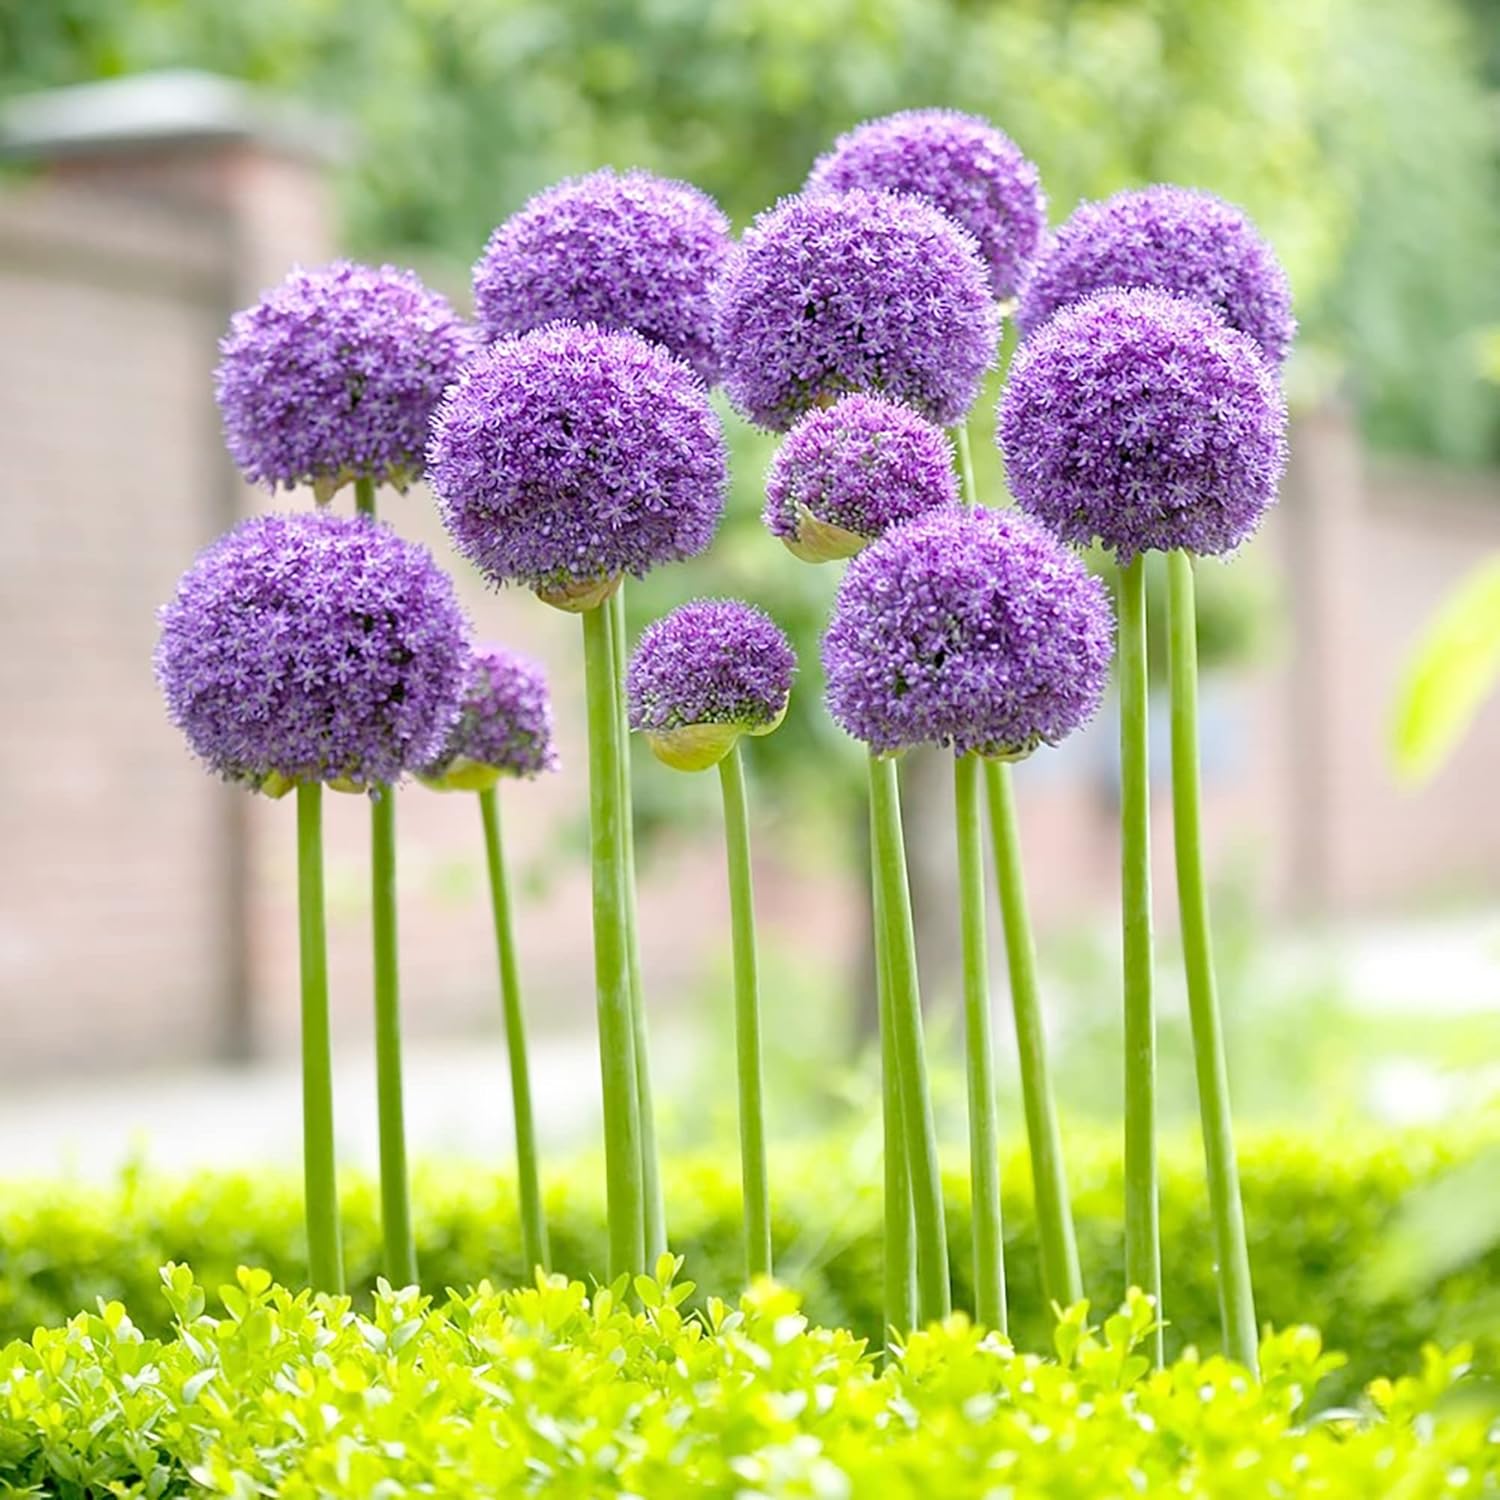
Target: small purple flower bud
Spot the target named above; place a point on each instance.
(975, 173)
(334, 375)
(838, 292)
(1143, 421)
(705, 674)
(849, 472)
(1176, 240)
(504, 726)
(568, 457)
(974, 629)
(632, 251)
(313, 647)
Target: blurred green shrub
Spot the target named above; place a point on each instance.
(1318, 1217)
(549, 1391)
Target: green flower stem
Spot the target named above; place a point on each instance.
(1236, 1297)
(1061, 1280)
(900, 1247)
(395, 1193)
(984, 1122)
(325, 1259)
(934, 1297)
(655, 1209)
(1142, 1223)
(622, 1125)
(753, 1173)
(533, 1218)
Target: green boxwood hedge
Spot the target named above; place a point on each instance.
(1320, 1211)
(559, 1392)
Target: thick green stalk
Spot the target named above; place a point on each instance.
(756, 1182)
(533, 1218)
(1236, 1296)
(655, 1209)
(325, 1260)
(969, 492)
(1142, 1222)
(900, 1230)
(984, 1121)
(622, 1126)
(934, 1295)
(1062, 1282)
(395, 1192)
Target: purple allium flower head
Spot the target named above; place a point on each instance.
(632, 251)
(975, 173)
(835, 292)
(1143, 421)
(334, 375)
(1177, 240)
(974, 629)
(313, 647)
(849, 472)
(569, 456)
(504, 726)
(705, 674)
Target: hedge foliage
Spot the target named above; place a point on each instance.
(553, 1391)
(1320, 1212)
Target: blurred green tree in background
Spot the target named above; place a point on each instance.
(1362, 134)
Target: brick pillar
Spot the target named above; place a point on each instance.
(1322, 510)
(188, 157)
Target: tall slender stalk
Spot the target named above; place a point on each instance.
(755, 1179)
(325, 1260)
(934, 1295)
(1236, 1296)
(533, 1217)
(1061, 1279)
(655, 1207)
(1142, 1223)
(900, 1230)
(970, 490)
(395, 1193)
(622, 1129)
(979, 1051)
(984, 1122)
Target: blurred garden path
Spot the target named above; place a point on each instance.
(458, 1091)
(457, 1101)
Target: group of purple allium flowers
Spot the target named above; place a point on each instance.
(570, 440)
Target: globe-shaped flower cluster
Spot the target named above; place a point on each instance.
(570, 456)
(705, 674)
(849, 472)
(975, 173)
(625, 250)
(504, 727)
(313, 647)
(1143, 421)
(334, 375)
(973, 629)
(1176, 240)
(835, 292)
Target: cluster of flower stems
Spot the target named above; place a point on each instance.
(916, 1243)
